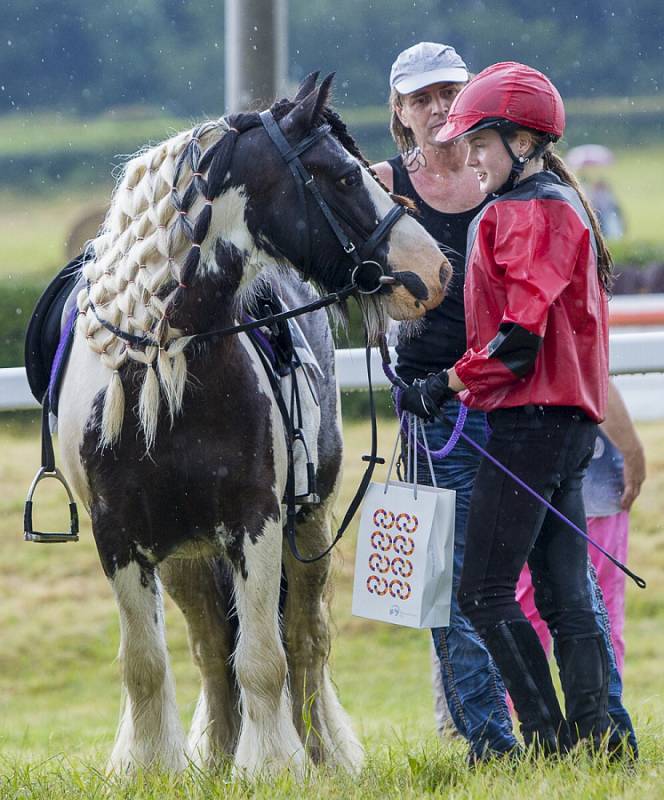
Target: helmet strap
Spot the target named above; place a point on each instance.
(518, 162)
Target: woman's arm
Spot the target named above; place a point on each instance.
(619, 428)
(455, 382)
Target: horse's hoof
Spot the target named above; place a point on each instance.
(296, 764)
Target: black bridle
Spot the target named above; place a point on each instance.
(304, 181)
(361, 258)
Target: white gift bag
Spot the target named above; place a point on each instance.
(405, 552)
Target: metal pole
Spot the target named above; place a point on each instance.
(256, 52)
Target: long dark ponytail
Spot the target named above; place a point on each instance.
(554, 163)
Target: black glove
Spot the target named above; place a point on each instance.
(428, 395)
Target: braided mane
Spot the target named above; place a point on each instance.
(149, 249)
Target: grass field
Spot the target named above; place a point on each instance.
(59, 681)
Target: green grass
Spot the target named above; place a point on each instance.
(54, 133)
(636, 179)
(60, 693)
(34, 229)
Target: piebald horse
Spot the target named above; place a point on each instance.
(176, 445)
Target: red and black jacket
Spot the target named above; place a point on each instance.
(536, 315)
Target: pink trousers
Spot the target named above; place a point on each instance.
(611, 532)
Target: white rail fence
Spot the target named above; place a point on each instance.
(636, 359)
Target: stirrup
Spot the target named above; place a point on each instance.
(31, 535)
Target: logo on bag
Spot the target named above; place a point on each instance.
(383, 519)
(406, 522)
(381, 541)
(402, 567)
(377, 585)
(379, 563)
(400, 589)
(402, 544)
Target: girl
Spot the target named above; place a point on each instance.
(537, 275)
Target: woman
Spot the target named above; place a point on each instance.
(537, 274)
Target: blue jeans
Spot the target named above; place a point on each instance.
(621, 723)
(473, 687)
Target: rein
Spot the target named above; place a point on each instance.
(291, 436)
(270, 319)
(372, 459)
(458, 433)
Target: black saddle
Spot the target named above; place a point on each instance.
(43, 334)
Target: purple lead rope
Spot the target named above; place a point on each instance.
(446, 449)
(637, 580)
(458, 433)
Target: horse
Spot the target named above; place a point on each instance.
(172, 437)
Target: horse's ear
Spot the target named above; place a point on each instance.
(300, 120)
(307, 86)
(322, 98)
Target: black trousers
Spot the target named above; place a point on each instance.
(549, 448)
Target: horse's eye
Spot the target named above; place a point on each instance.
(352, 179)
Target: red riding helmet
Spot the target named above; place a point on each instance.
(506, 91)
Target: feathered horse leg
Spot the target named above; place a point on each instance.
(196, 586)
(322, 722)
(268, 739)
(150, 733)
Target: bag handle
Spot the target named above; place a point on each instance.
(428, 452)
(392, 459)
(408, 423)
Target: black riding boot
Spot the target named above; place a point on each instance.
(518, 653)
(584, 674)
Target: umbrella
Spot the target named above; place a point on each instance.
(589, 155)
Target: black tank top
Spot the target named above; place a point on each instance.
(442, 339)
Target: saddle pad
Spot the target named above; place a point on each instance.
(43, 335)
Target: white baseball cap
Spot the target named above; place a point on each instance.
(426, 63)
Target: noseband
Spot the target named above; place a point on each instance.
(368, 276)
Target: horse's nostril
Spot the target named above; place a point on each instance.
(445, 273)
(413, 283)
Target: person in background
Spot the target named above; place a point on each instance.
(543, 427)
(611, 486)
(607, 209)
